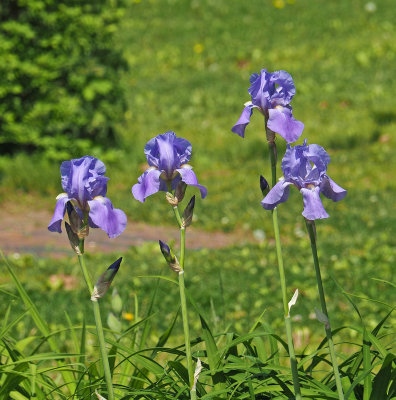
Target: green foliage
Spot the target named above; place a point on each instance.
(59, 75)
(235, 366)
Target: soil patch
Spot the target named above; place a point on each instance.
(26, 233)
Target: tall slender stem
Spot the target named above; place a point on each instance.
(99, 326)
(312, 236)
(183, 301)
(292, 353)
(282, 277)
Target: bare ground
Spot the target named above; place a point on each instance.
(26, 232)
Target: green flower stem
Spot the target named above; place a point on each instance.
(183, 301)
(99, 326)
(273, 157)
(292, 353)
(312, 236)
(282, 277)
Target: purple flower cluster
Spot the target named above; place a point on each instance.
(271, 93)
(168, 157)
(305, 167)
(85, 186)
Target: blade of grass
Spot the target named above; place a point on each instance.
(40, 323)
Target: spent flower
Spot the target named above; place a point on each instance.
(85, 187)
(271, 93)
(305, 167)
(168, 157)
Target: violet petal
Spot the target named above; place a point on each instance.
(331, 190)
(243, 121)
(188, 176)
(281, 121)
(278, 194)
(148, 184)
(60, 209)
(313, 207)
(112, 220)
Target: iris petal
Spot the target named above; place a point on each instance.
(101, 212)
(60, 208)
(188, 176)
(278, 194)
(313, 207)
(286, 89)
(281, 121)
(331, 190)
(243, 121)
(148, 184)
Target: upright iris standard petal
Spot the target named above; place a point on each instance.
(83, 180)
(167, 156)
(271, 93)
(305, 167)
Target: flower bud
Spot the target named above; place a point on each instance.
(73, 239)
(264, 186)
(169, 257)
(188, 213)
(103, 283)
(180, 191)
(76, 223)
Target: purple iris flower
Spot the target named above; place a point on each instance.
(167, 156)
(305, 167)
(85, 185)
(271, 93)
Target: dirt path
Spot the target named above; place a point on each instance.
(26, 232)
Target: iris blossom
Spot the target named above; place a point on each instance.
(305, 167)
(167, 156)
(85, 185)
(271, 94)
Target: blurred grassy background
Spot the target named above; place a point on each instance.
(189, 67)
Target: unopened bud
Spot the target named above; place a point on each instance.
(73, 239)
(180, 191)
(103, 283)
(264, 186)
(188, 213)
(76, 222)
(169, 257)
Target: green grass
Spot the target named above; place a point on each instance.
(232, 286)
